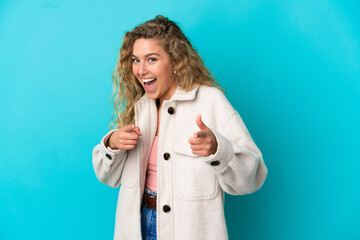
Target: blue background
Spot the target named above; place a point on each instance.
(291, 69)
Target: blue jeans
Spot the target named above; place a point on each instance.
(148, 221)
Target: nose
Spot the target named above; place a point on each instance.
(142, 69)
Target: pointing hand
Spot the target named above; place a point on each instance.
(125, 138)
(203, 142)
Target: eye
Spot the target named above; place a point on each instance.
(152, 59)
(135, 60)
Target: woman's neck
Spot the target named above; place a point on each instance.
(158, 103)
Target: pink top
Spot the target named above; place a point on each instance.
(152, 167)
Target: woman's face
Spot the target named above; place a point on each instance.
(153, 68)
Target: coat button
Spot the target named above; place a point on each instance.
(166, 208)
(166, 156)
(108, 156)
(171, 110)
(214, 163)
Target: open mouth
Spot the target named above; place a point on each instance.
(149, 83)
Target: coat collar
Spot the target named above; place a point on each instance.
(179, 95)
(182, 95)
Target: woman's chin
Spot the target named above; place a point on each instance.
(151, 95)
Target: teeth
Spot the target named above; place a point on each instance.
(148, 80)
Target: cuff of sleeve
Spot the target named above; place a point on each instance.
(219, 161)
(109, 154)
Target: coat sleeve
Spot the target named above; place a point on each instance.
(108, 163)
(237, 162)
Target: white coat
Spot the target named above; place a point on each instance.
(193, 186)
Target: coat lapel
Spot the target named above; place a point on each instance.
(146, 120)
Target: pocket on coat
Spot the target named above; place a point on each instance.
(193, 178)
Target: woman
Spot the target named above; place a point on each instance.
(178, 143)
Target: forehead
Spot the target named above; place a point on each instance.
(144, 46)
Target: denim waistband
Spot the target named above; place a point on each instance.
(149, 191)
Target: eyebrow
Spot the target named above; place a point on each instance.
(149, 54)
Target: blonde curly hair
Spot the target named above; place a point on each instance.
(190, 69)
